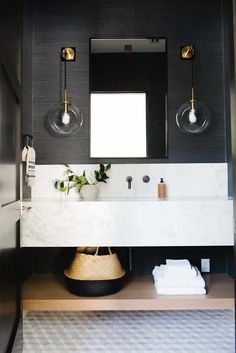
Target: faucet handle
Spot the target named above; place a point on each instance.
(146, 178)
(129, 180)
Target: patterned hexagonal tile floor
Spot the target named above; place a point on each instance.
(140, 331)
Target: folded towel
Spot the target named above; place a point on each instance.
(172, 273)
(183, 264)
(194, 282)
(29, 156)
(175, 271)
(179, 291)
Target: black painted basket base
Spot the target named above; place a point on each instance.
(88, 288)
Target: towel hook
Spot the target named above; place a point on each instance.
(28, 138)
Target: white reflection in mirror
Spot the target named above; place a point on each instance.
(118, 125)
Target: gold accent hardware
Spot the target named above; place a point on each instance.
(193, 100)
(65, 102)
(68, 54)
(187, 52)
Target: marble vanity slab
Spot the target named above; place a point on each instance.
(127, 222)
(9, 215)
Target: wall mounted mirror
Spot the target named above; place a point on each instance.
(128, 96)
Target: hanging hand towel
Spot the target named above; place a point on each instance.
(30, 166)
(28, 155)
(24, 154)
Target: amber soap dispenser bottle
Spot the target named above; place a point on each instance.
(161, 189)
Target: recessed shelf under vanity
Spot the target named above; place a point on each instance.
(48, 292)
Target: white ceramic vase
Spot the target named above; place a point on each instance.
(89, 192)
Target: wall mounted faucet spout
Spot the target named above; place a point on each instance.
(129, 180)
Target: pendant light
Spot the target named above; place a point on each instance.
(66, 119)
(192, 117)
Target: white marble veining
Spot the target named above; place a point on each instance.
(186, 222)
(183, 180)
(197, 212)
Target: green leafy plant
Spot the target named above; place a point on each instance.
(73, 180)
(100, 174)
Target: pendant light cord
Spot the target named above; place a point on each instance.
(65, 92)
(192, 73)
(65, 75)
(192, 88)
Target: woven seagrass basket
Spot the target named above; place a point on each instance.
(94, 274)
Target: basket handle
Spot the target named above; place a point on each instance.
(97, 250)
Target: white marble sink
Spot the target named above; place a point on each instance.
(128, 222)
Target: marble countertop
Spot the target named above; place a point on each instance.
(185, 221)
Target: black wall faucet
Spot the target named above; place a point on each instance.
(129, 180)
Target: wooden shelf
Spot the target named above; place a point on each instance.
(48, 292)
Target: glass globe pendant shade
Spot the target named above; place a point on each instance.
(193, 119)
(66, 119)
(65, 122)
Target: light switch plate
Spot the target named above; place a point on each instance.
(205, 265)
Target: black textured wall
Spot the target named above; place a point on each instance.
(10, 105)
(55, 260)
(72, 23)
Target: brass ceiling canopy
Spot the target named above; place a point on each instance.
(187, 52)
(68, 54)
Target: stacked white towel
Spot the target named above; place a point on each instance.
(178, 277)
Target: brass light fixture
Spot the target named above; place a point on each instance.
(192, 117)
(67, 119)
(68, 54)
(187, 52)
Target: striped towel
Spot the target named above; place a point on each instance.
(28, 155)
